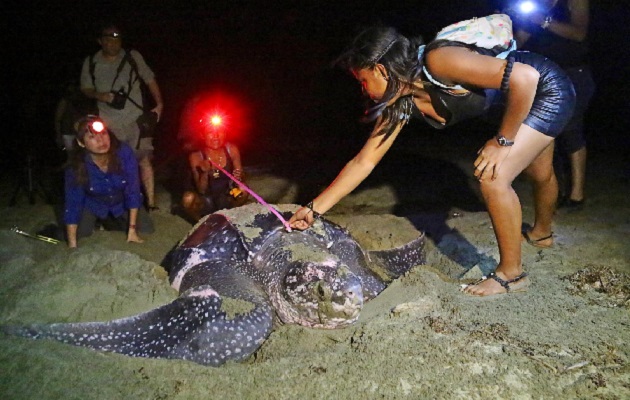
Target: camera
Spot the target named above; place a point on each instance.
(120, 98)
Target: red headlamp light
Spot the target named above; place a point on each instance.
(216, 120)
(211, 113)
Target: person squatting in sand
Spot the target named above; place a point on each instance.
(212, 187)
(539, 99)
(102, 186)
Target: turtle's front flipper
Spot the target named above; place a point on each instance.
(196, 326)
(399, 260)
(352, 255)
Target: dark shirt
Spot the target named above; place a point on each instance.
(565, 52)
(455, 108)
(105, 192)
(218, 182)
(554, 96)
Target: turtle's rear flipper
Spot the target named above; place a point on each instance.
(399, 260)
(194, 327)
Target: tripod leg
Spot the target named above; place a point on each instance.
(13, 200)
(31, 186)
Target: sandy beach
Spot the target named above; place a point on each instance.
(421, 338)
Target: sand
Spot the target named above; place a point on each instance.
(421, 338)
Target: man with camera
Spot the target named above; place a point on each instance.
(113, 76)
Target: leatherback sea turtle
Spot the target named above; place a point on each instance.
(235, 270)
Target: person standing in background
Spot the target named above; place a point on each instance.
(109, 78)
(559, 30)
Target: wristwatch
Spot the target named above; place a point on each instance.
(503, 141)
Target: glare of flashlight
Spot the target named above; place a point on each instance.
(527, 7)
(216, 120)
(98, 127)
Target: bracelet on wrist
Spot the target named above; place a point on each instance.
(132, 226)
(315, 213)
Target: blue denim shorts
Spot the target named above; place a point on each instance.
(555, 96)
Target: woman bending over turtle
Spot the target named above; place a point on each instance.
(447, 82)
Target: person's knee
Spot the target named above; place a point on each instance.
(541, 176)
(494, 188)
(188, 198)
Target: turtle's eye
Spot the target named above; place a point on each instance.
(320, 290)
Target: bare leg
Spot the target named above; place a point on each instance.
(148, 180)
(504, 206)
(578, 174)
(545, 187)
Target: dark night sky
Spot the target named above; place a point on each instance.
(274, 55)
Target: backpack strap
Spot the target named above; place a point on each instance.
(133, 64)
(134, 69)
(92, 68)
(503, 55)
(125, 58)
(421, 54)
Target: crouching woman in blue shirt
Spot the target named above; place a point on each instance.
(102, 185)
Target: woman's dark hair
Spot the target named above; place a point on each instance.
(76, 160)
(399, 54)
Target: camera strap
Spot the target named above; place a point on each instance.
(120, 68)
(132, 63)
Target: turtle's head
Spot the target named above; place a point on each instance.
(321, 295)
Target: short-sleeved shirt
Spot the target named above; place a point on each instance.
(106, 192)
(106, 79)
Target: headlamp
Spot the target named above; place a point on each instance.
(216, 120)
(114, 35)
(96, 127)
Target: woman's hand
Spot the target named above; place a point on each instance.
(105, 97)
(302, 219)
(489, 160)
(237, 173)
(132, 236)
(158, 110)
